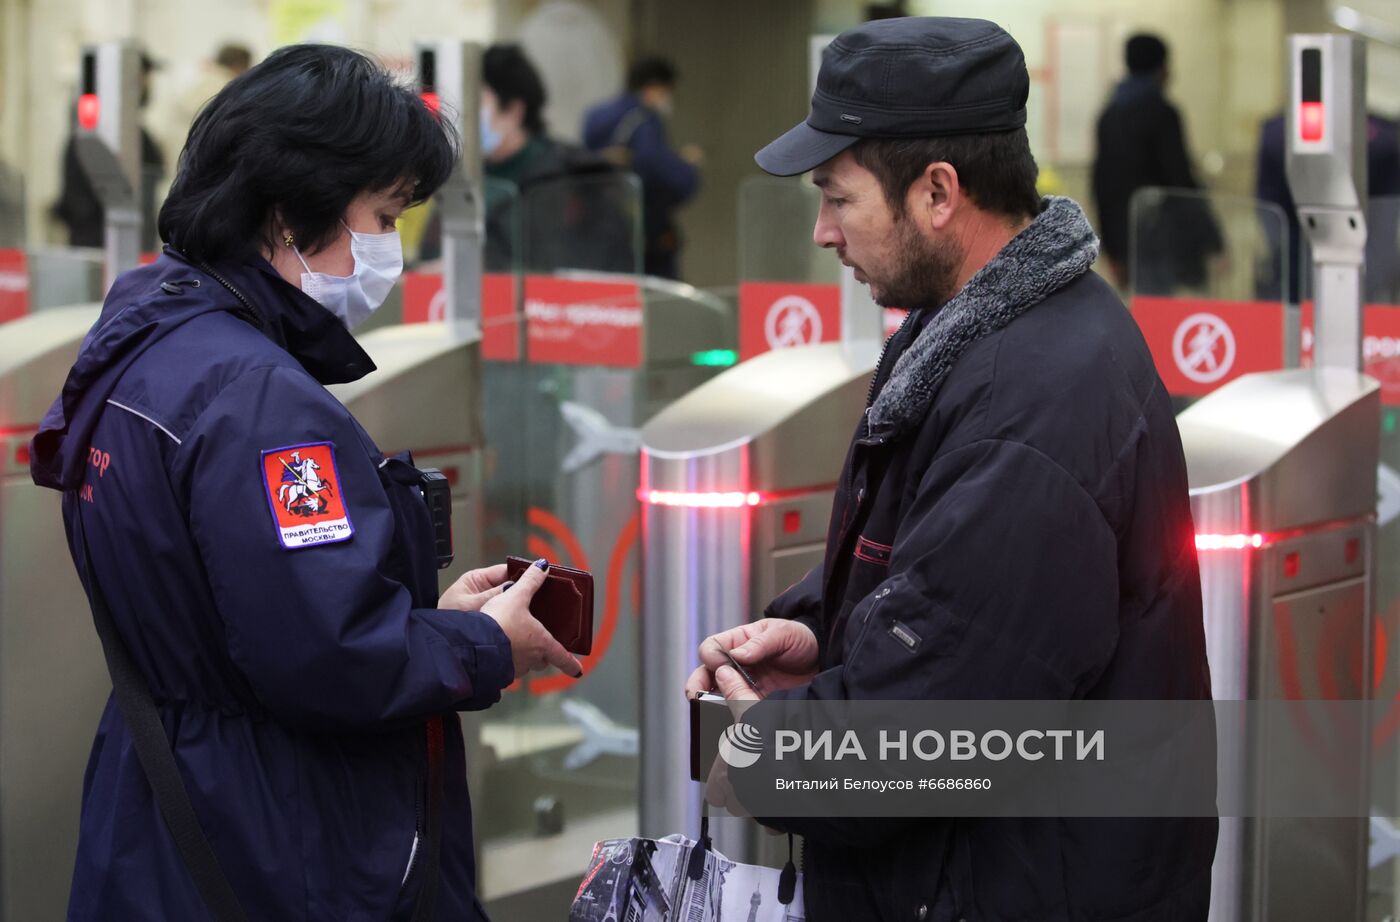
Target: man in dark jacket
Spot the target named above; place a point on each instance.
(631, 128)
(1141, 143)
(1014, 498)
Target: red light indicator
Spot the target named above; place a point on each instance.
(792, 521)
(434, 104)
(1291, 564)
(89, 108)
(1310, 121)
(22, 454)
(1353, 551)
(1228, 542)
(732, 500)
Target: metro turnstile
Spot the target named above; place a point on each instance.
(424, 397)
(1283, 492)
(737, 484)
(564, 442)
(53, 681)
(1283, 495)
(108, 147)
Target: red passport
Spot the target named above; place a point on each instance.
(564, 604)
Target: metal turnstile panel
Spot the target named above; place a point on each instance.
(53, 685)
(424, 397)
(53, 681)
(1310, 868)
(773, 432)
(1284, 504)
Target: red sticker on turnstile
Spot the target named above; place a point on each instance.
(1199, 344)
(1380, 346)
(780, 315)
(14, 285)
(425, 300)
(583, 322)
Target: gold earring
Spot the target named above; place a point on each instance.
(288, 239)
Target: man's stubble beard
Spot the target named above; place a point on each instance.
(926, 272)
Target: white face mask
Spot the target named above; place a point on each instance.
(352, 298)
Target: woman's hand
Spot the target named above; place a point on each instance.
(531, 646)
(474, 589)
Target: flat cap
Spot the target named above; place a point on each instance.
(913, 77)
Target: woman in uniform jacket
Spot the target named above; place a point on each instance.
(269, 572)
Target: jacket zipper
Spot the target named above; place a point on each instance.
(880, 362)
(865, 622)
(417, 834)
(412, 859)
(863, 437)
(248, 312)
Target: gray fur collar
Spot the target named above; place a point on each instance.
(1054, 250)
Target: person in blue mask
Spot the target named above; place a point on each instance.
(573, 224)
(283, 742)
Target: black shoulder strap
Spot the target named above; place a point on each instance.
(432, 861)
(153, 749)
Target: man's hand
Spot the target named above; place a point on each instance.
(778, 654)
(531, 646)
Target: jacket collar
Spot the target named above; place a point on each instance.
(289, 317)
(1055, 249)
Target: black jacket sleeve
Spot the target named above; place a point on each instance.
(801, 602)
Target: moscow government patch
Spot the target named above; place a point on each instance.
(303, 490)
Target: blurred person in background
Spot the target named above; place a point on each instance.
(1383, 182)
(631, 129)
(229, 61)
(11, 208)
(78, 206)
(1141, 142)
(519, 155)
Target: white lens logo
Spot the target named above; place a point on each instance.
(740, 745)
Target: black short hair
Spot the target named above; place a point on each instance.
(1145, 54)
(511, 76)
(301, 134)
(996, 170)
(651, 71)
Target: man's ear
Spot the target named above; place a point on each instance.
(935, 196)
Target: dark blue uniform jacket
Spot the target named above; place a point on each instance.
(296, 666)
